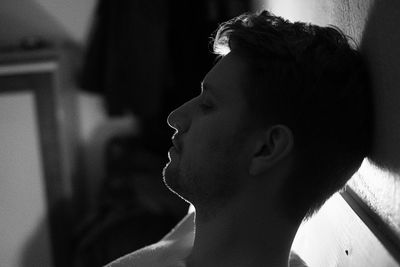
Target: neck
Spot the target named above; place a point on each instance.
(246, 233)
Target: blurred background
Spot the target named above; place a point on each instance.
(85, 90)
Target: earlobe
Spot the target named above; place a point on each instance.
(273, 145)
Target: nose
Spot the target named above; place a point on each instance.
(180, 118)
(174, 120)
(171, 120)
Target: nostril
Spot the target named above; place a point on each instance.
(175, 126)
(175, 118)
(173, 123)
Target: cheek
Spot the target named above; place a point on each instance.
(214, 146)
(212, 139)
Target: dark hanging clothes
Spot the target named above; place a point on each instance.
(127, 55)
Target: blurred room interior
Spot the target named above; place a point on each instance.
(86, 87)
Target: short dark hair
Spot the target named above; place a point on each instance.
(315, 81)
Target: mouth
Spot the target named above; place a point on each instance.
(172, 151)
(176, 145)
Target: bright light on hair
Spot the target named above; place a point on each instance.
(222, 47)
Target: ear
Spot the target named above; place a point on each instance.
(272, 146)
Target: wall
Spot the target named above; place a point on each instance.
(349, 15)
(22, 196)
(57, 20)
(336, 236)
(374, 26)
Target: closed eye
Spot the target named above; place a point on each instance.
(204, 102)
(205, 106)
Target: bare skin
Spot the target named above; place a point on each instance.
(242, 237)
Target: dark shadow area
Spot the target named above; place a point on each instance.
(381, 45)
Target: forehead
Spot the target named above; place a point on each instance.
(227, 81)
(227, 77)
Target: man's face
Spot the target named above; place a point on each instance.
(211, 161)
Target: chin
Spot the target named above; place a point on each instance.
(173, 180)
(171, 177)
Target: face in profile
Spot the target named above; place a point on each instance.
(209, 158)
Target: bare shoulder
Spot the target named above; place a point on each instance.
(169, 251)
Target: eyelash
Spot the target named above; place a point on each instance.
(205, 106)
